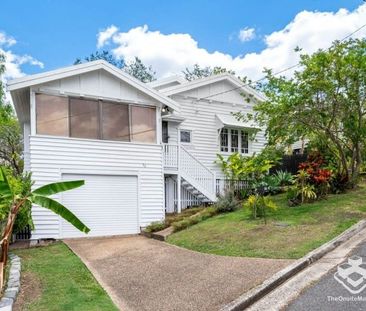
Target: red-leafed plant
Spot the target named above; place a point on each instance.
(318, 175)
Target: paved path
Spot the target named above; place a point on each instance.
(145, 274)
(326, 294)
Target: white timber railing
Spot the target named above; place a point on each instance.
(170, 156)
(176, 157)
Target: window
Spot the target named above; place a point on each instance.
(115, 123)
(244, 142)
(234, 140)
(52, 116)
(94, 119)
(224, 140)
(143, 124)
(84, 118)
(185, 136)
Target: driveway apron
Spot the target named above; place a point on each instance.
(144, 274)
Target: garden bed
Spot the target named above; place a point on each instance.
(291, 232)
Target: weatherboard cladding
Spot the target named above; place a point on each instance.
(50, 156)
(200, 118)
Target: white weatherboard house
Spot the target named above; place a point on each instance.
(142, 149)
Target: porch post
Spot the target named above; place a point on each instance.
(179, 205)
(179, 179)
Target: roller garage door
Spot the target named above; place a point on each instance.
(107, 204)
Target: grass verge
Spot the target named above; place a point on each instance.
(54, 278)
(291, 232)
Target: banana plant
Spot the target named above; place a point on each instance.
(39, 197)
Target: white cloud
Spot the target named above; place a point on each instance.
(171, 53)
(246, 34)
(104, 35)
(6, 40)
(13, 62)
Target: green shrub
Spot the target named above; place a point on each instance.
(156, 226)
(284, 178)
(194, 219)
(227, 203)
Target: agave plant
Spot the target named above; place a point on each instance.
(284, 178)
(15, 201)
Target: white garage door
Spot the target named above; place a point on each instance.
(106, 204)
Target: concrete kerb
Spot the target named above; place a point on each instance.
(280, 277)
(13, 284)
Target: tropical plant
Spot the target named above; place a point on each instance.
(258, 204)
(227, 203)
(15, 202)
(239, 167)
(284, 178)
(305, 190)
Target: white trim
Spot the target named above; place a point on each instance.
(33, 118)
(96, 140)
(213, 79)
(66, 72)
(190, 136)
(167, 80)
(239, 142)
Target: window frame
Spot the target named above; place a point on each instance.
(190, 136)
(229, 145)
(100, 118)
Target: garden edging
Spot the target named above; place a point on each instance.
(280, 277)
(13, 284)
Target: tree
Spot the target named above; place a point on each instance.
(326, 101)
(15, 199)
(10, 134)
(135, 68)
(198, 72)
(104, 55)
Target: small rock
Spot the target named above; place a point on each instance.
(10, 293)
(13, 283)
(4, 302)
(281, 224)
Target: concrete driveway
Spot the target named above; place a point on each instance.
(145, 274)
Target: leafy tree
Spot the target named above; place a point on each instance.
(198, 72)
(140, 71)
(326, 100)
(10, 134)
(135, 68)
(104, 55)
(14, 200)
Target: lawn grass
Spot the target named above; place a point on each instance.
(53, 278)
(291, 232)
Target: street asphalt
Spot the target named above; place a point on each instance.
(329, 294)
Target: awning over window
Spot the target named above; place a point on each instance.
(223, 120)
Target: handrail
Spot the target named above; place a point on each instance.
(177, 157)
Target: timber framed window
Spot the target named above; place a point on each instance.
(185, 136)
(234, 140)
(94, 119)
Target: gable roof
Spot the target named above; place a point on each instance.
(70, 71)
(237, 85)
(164, 82)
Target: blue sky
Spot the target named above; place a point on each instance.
(56, 32)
